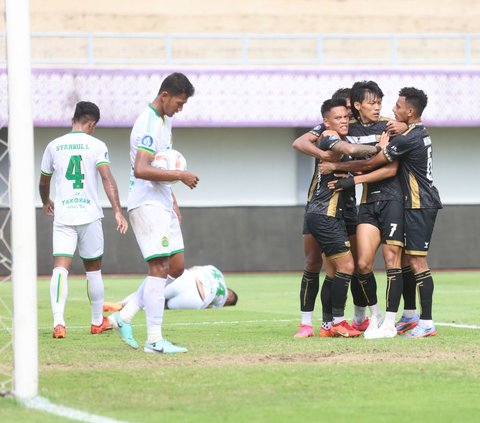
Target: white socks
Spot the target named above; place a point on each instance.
(154, 304)
(359, 313)
(307, 317)
(95, 293)
(58, 294)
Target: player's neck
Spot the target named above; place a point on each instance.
(414, 122)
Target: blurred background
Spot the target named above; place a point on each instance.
(261, 70)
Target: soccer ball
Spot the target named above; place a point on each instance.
(169, 160)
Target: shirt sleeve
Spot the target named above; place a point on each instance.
(317, 131)
(46, 168)
(396, 148)
(327, 143)
(102, 155)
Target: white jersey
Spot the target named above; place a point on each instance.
(74, 158)
(150, 133)
(214, 283)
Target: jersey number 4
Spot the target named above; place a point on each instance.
(74, 172)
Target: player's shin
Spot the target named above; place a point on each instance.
(58, 294)
(154, 301)
(393, 294)
(326, 298)
(409, 291)
(95, 293)
(340, 284)
(309, 288)
(425, 294)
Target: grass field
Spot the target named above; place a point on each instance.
(243, 364)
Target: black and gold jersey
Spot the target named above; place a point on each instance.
(414, 148)
(388, 189)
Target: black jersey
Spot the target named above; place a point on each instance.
(414, 148)
(388, 189)
(323, 200)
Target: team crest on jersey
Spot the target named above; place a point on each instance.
(165, 241)
(147, 141)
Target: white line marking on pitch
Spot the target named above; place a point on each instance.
(43, 404)
(236, 322)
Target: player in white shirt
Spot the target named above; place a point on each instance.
(198, 288)
(76, 160)
(153, 213)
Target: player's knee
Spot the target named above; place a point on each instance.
(313, 264)
(364, 266)
(418, 263)
(392, 258)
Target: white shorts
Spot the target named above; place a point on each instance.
(88, 237)
(157, 231)
(183, 294)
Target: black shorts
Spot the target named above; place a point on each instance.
(305, 230)
(419, 225)
(387, 216)
(330, 234)
(350, 216)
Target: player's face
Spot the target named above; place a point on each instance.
(401, 110)
(337, 120)
(369, 109)
(173, 103)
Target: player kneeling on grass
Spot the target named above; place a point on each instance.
(77, 159)
(198, 288)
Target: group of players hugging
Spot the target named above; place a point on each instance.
(397, 212)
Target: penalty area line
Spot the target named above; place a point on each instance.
(43, 404)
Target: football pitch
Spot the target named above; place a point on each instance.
(244, 365)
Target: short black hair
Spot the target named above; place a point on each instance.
(86, 111)
(416, 98)
(176, 84)
(341, 93)
(330, 104)
(235, 297)
(359, 92)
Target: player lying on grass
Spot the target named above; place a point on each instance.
(199, 287)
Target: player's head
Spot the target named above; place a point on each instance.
(86, 116)
(344, 94)
(335, 116)
(410, 104)
(173, 94)
(366, 99)
(232, 298)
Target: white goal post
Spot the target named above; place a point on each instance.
(22, 200)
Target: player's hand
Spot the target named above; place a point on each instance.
(48, 208)
(344, 182)
(326, 168)
(384, 138)
(189, 179)
(122, 224)
(395, 128)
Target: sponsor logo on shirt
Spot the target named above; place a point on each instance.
(147, 141)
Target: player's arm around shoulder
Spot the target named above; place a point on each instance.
(306, 144)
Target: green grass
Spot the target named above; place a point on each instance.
(244, 366)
